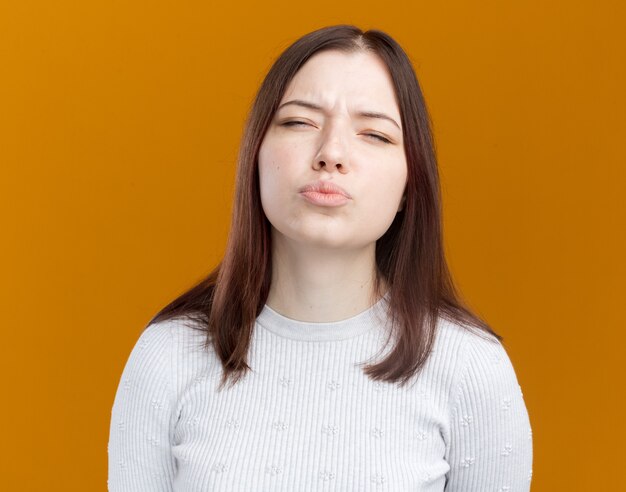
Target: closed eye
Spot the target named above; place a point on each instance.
(293, 123)
(378, 137)
(371, 135)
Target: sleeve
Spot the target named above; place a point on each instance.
(139, 449)
(490, 444)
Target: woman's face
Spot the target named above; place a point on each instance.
(325, 130)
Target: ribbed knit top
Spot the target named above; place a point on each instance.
(308, 419)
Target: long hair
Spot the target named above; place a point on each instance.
(409, 256)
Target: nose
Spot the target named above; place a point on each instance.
(333, 151)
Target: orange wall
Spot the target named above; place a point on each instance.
(119, 126)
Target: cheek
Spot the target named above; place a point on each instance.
(269, 167)
(274, 179)
(387, 184)
(274, 160)
(382, 194)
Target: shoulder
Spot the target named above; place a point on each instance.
(178, 334)
(467, 343)
(451, 335)
(150, 354)
(473, 357)
(184, 344)
(454, 343)
(484, 369)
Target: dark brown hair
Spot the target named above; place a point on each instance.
(409, 256)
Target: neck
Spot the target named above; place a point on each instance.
(322, 284)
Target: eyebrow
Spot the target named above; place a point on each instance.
(316, 107)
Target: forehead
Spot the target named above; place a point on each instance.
(336, 80)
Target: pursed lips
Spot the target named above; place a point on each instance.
(325, 187)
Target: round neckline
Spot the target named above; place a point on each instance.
(343, 329)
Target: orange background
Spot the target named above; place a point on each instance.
(119, 129)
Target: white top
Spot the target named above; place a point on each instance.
(308, 419)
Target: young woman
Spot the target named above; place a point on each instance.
(329, 349)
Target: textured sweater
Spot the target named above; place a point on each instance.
(308, 419)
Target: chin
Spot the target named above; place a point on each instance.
(322, 239)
